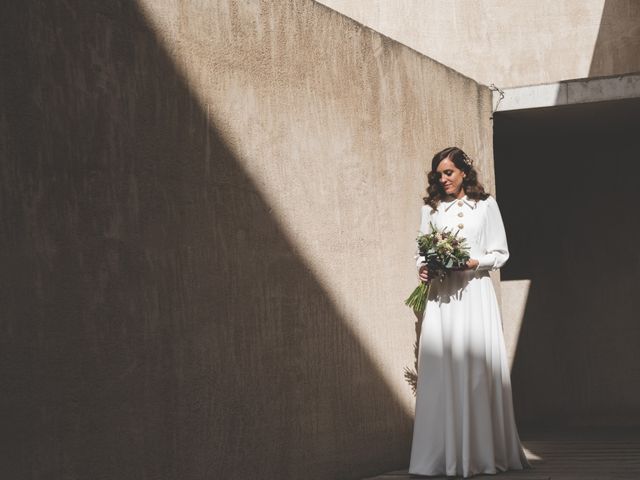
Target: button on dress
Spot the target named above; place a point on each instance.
(464, 420)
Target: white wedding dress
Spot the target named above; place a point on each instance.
(464, 420)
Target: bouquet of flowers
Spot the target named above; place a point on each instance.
(443, 250)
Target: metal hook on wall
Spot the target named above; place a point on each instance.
(496, 89)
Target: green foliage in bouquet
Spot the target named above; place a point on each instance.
(443, 251)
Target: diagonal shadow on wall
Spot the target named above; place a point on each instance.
(144, 334)
(616, 49)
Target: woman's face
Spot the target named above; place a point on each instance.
(451, 178)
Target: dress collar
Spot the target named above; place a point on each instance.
(447, 205)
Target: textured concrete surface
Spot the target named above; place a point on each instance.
(208, 217)
(511, 43)
(570, 92)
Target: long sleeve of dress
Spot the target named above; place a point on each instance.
(425, 227)
(496, 249)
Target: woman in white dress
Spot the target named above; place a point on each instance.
(464, 420)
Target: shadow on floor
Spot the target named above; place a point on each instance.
(569, 454)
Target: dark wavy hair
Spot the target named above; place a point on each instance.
(470, 184)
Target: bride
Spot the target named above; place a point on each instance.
(464, 420)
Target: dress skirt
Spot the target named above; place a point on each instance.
(464, 419)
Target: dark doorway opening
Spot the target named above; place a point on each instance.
(568, 184)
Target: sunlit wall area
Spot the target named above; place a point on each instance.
(511, 43)
(209, 212)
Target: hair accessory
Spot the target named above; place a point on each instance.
(466, 159)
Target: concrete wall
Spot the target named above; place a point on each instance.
(512, 43)
(208, 217)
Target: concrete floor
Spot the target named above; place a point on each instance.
(584, 454)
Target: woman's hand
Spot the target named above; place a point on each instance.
(472, 263)
(423, 273)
